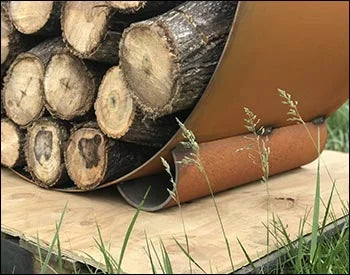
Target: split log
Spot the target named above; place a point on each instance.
(36, 17)
(23, 95)
(12, 143)
(70, 85)
(92, 159)
(118, 117)
(45, 143)
(91, 29)
(168, 60)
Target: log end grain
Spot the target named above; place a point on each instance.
(5, 38)
(127, 6)
(68, 87)
(84, 25)
(30, 16)
(114, 106)
(86, 157)
(11, 144)
(43, 152)
(23, 89)
(150, 67)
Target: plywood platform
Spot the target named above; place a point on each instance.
(27, 209)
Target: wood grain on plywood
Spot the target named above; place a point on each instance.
(27, 209)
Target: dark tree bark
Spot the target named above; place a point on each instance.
(168, 60)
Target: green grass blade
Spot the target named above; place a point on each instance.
(158, 259)
(39, 249)
(166, 260)
(189, 256)
(48, 256)
(150, 256)
(248, 258)
(60, 264)
(130, 228)
(103, 250)
(316, 215)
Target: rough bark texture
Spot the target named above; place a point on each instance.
(92, 159)
(45, 144)
(23, 95)
(12, 144)
(50, 28)
(188, 42)
(70, 85)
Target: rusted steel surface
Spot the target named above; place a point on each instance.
(301, 47)
(291, 147)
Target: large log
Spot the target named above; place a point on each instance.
(118, 116)
(92, 159)
(36, 17)
(12, 143)
(22, 94)
(91, 29)
(168, 60)
(70, 85)
(45, 143)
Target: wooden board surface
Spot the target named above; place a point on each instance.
(27, 209)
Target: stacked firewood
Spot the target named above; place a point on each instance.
(90, 90)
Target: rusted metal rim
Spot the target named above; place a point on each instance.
(301, 47)
(291, 147)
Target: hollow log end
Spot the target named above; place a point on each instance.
(23, 89)
(86, 158)
(29, 17)
(43, 152)
(10, 143)
(69, 87)
(149, 65)
(84, 26)
(114, 106)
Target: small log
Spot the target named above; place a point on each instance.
(70, 85)
(36, 17)
(12, 143)
(92, 159)
(118, 117)
(45, 143)
(168, 60)
(23, 95)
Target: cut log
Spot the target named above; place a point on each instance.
(12, 143)
(23, 96)
(85, 25)
(12, 43)
(91, 29)
(45, 143)
(118, 117)
(36, 17)
(127, 6)
(168, 60)
(70, 85)
(92, 159)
